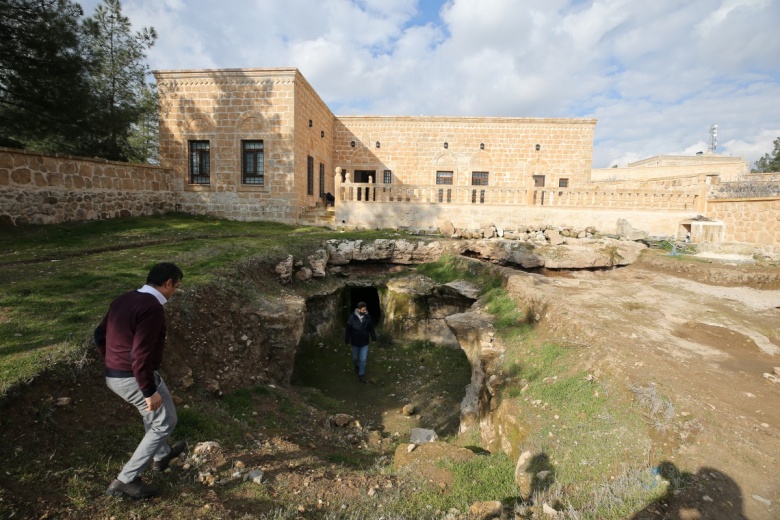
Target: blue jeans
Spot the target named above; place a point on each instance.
(359, 356)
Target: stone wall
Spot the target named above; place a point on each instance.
(313, 140)
(752, 221)
(361, 215)
(48, 189)
(413, 149)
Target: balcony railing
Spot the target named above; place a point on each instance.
(497, 196)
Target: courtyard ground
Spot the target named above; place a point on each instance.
(699, 335)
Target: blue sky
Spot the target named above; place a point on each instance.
(655, 74)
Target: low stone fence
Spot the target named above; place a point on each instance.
(635, 199)
(360, 215)
(752, 221)
(48, 189)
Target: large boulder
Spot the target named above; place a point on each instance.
(625, 229)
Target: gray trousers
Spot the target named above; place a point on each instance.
(158, 424)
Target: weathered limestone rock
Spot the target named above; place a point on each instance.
(464, 288)
(303, 275)
(625, 229)
(523, 478)
(284, 270)
(553, 237)
(446, 229)
(415, 308)
(486, 510)
(590, 253)
(488, 231)
(483, 349)
(422, 435)
(319, 263)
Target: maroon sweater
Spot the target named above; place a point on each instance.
(131, 339)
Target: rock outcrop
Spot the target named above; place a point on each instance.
(484, 350)
(550, 250)
(415, 308)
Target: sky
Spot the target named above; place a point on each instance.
(656, 74)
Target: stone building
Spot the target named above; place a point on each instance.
(260, 143)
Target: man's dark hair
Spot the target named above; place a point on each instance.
(162, 272)
(361, 305)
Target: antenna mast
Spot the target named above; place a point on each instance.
(713, 138)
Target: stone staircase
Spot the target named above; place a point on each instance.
(319, 216)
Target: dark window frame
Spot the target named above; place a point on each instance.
(445, 178)
(539, 181)
(253, 172)
(322, 180)
(310, 175)
(388, 176)
(563, 183)
(478, 179)
(199, 161)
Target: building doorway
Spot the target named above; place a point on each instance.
(363, 175)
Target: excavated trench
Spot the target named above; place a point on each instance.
(416, 360)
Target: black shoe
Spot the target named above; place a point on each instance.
(176, 450)
(362, 379)
(135, 489)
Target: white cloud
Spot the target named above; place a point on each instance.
(655, 74)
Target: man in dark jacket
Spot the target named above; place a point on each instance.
(359, 328)
(131, 339)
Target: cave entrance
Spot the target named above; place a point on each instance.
(370, 296)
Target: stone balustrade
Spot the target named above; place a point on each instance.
(637, 199)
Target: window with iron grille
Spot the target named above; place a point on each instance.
(200, 162)
(252, 168)
(538, 181)
(310, 176)
(563, 183)
(322, 180)
(443, 177)
(479, 178)
(388, 176)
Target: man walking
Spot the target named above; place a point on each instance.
(359, 328)
(131, 340)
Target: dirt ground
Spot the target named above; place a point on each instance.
(704, 334)
(706, 347)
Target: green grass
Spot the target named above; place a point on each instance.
(580, 430)
(507, 317)
(586, 431)
(483, 478)
(56, 282)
